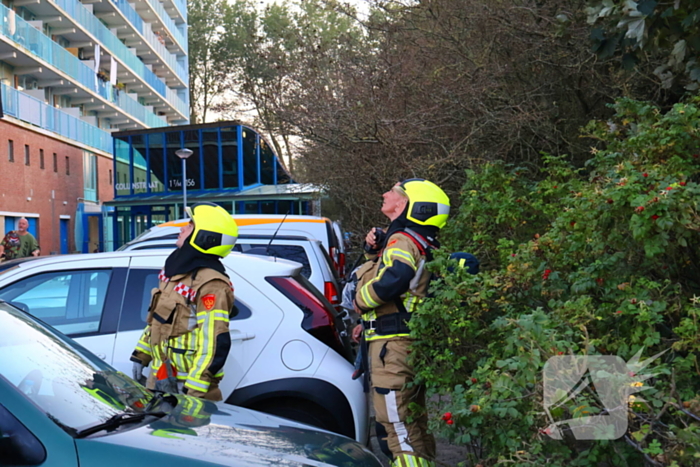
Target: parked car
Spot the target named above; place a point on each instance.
(290, 354)
(317, 266)
(60, 405)
(320, 228)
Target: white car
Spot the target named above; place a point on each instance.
(319, 228)
(317, 266)
(289, 355)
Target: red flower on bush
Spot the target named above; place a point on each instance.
(639, 209)
(645, 175)
(654, 217)
(546, 274)
(682, 183)
(447, 416)
(450, 422)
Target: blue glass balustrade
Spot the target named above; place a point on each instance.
(40, 45)
(169, 23)
(104, 36)
(32, 110)
(133, 17)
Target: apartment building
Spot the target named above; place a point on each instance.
(71, 73)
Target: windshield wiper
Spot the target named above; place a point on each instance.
(117, 420)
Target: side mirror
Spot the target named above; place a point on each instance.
(17, 444)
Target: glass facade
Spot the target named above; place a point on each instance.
(147, 163)
(230, 165)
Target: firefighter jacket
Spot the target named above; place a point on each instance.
(393, 281)
(187, 324)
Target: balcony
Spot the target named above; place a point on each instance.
(25, 38)
(157, 8)
(34, 111)
(96, 31)
(177, 7)
(130, 19)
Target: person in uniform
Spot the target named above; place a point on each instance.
(187, 340)
(390, 286)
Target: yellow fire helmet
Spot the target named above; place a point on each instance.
(215, 231)
(427, 203)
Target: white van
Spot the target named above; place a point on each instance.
(319, 228)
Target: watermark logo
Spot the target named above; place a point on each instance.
(612, 380)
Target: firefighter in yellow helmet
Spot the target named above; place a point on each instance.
(186, 340)
(390, 286)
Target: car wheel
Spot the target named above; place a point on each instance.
(300, 411)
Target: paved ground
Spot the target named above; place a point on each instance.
(447, 454)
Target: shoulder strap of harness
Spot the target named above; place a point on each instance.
(424, 246)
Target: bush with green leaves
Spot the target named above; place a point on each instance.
(596, 260)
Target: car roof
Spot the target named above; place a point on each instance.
(170, 238)
(256, 219)
(235, 260)
(14, 262)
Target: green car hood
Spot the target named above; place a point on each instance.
(218, 434)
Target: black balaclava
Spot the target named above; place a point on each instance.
(186, 259)
(429, 232)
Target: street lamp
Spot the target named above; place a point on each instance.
(183, 154)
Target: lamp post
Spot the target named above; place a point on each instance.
(183, 154)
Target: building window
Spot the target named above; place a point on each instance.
(110, 177)
(41, 158)
(26, 154)
(67, 165)
(10, 150)
(89, 176)
(55, 162)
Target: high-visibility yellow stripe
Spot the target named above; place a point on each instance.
(220, 315)
(201, 386)
(398, 253)
(205, 349)
(374, 336)
(366, 297)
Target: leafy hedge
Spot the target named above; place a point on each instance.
(599, 260)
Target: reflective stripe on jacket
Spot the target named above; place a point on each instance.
(389, 278)
(188, 323)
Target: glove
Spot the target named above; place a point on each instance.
(137, 371)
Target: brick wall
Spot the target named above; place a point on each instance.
(19, 182)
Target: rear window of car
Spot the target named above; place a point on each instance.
(329, 261)
(291, 252)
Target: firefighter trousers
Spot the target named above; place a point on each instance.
(407, 444)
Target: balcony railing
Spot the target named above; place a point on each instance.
(104, 36)
(41, 46)
(34, 111)
(169, 23)
(181, 5)
(137, 22)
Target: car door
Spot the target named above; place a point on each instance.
(79, 298)
(250, 329)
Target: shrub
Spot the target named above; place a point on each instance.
(597, 260)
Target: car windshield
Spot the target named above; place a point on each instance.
(74, 388)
